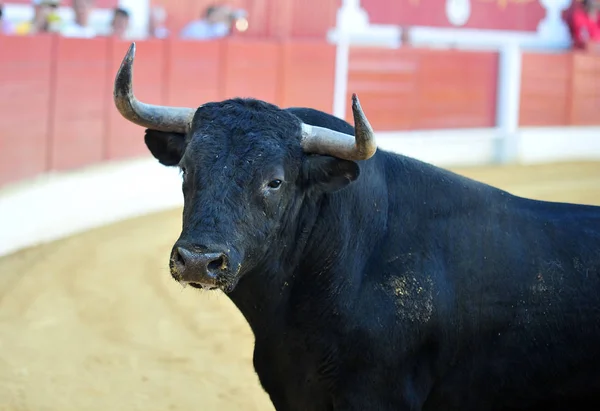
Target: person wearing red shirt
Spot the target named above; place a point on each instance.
(584, 23)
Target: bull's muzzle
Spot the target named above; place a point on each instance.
(203, 269)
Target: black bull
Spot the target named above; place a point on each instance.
(373, 281)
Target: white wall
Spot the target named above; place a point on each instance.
(462, 147)
(541, 145)
(54, 206)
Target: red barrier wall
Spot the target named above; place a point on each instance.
(560, 89)
(408, 89)
(79, 89)
(545, 93)
(251, 69)
(25, 84)
(58, 113)
(585, 90)
(303, 61)
(57, 107)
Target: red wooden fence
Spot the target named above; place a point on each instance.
(58, 113)
(560, 89)
(57, 108)
(420, 88)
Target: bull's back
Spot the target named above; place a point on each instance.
(516, 286)
(528, 304)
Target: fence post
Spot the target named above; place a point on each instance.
(508, 103)
(351, 18)
(340, 84)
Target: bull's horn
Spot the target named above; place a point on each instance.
(173, 119)
(361, 146)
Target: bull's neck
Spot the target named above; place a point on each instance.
(331, 236)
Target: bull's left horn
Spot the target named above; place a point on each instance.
(360, 146)
(173, 119)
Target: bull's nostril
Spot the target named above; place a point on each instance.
(217, 264)
(178, 257)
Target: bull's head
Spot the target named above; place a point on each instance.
(247, 167)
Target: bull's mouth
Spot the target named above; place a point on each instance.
(194, 281)
(225, 286)
(198, 285)
(203, 287)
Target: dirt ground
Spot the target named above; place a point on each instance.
(94, 322)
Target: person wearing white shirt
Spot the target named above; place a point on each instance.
(120, 23)
(6, 27)
(80, 27)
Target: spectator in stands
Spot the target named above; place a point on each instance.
(5, 26)
(584, 23)
(405, 36)
(156, 25)
(45, 19)
(120, 22)
(80, 27)
(216, 23)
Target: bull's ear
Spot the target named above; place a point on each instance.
(328, 173)
(167, 148)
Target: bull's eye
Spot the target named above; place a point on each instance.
(275, 184)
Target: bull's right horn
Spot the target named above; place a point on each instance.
(161, 118)
(324, 141)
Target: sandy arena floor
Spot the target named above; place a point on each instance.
(94, 322)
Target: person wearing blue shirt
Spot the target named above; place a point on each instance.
(215, 24)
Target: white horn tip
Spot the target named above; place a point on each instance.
(355, 102)
(131, 52)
